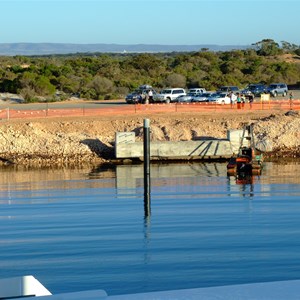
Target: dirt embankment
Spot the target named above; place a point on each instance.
(91, 139)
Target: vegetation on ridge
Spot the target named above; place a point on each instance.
(109, 76)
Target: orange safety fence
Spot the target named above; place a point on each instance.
(8, 113)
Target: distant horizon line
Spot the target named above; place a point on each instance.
(73, 43)
(25, 48)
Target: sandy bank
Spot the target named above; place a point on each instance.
(91, 139)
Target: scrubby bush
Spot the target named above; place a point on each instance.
(109, 76)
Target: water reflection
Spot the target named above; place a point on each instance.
(130, 176)
(127, 178)
(102, 171)
(246, 183)
(84, 228)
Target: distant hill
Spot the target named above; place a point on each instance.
(11, 49)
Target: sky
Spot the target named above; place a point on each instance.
(166, 22)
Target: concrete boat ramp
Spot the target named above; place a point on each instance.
(127, 148)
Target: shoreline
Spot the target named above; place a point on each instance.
(77, 140)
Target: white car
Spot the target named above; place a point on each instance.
(219, 98)
(196, 91)
(169, 95)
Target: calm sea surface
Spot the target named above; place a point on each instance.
(82, 229)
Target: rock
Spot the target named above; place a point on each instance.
(292, 113)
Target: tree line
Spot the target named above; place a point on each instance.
(110, 76)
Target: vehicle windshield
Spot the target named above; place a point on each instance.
(273, 86)
(254, 87)
(214, 95)
(204, 95)
(166, 92)
(224, 88)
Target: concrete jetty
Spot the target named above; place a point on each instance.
(126, 147)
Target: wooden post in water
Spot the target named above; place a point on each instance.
(147, 167)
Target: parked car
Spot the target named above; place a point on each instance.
(201, 97)
(275, 89)
(255, 89)
(227, 89)
(134, 97)
(219, 98)
(196, 91)
(169, 95)
(184, 98)
(139, 95)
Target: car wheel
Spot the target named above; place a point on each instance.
(275, 94)
(284, 94)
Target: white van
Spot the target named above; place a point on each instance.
(169, 95)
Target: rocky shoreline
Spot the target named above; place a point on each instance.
(73, 141)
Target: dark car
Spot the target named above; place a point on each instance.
(228, 89)
(139, 95)
(134, 97)
(255, 89)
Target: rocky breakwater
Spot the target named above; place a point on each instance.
(282, 131)
(49, 143)
(91, 140)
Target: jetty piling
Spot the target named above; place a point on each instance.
(147, 207)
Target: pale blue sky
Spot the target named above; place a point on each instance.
(168, 22)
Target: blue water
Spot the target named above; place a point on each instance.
(81, 229)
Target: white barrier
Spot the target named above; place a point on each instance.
(23, 286)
